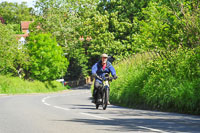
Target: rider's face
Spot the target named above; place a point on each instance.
(104, 59)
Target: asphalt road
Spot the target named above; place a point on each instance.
(72, 112)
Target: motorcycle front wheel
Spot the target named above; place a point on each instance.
(105, 98)
(97, 106)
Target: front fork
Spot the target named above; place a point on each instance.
(104, 88)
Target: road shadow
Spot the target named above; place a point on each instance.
(140, 124)
(132, 120)
(123, 111)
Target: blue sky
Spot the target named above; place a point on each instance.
(30, 3)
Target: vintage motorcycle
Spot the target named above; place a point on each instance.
(104, 91)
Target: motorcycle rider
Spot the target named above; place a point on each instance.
(100, 69)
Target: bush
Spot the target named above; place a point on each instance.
(174, 83)
(169, 84)
(131, 79)
(46, 57)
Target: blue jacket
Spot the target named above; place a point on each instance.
(97, 69)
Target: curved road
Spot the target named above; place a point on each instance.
(73, 112)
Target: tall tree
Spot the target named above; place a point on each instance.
(64, 19)
(121, 20)
(14, 13)
(13, 59)
(168, 25)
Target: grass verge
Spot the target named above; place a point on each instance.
(15, 85)
(169, 84)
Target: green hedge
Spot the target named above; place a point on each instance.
(168, 84)
(15, 85)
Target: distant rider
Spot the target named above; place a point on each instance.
(101, 68)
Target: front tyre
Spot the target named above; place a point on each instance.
(105, 98)
(97, 105)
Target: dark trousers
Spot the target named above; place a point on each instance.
(97, 87)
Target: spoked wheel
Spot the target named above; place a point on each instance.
(105, 98)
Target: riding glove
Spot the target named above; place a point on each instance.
(115, 77)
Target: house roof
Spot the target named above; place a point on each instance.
(25, 24)
(2, 20)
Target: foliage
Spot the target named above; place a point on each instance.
(119, 28)
(121, 20)
(46, 58)
(12, 58)
(158, 30)
(169, 84)
(190, 28)
(14, 13)
(63, 25)
(15, 27)
(15, 85)
(7, 48)
(131, 79)
(174, 82)
(68, 24)
(166, 26)
(102, 41)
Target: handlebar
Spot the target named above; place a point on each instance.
(106, 78)
(99, 78)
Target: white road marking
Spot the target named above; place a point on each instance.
(95, 116)
(47, 104)
(152, 129)
(61, 108)
(76, 94)
(43, 100)
(87, 114)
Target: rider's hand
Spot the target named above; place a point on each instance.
(115, 77)
(110, 78)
